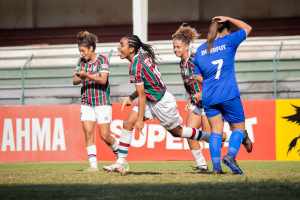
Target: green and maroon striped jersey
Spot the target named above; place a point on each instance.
(94, 94)
(191, 85)
(143, 70)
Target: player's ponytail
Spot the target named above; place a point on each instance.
(87, 39)
(186, 34)
(212, 34)
(135, 42)
(215, 28)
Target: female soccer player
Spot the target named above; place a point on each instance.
(196, 117)
(154, 101)
(214, 60)
(92, 72)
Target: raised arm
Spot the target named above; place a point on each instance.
(239, 23)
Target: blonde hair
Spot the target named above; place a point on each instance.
(186, 33)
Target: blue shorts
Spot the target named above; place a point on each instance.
(232, 110)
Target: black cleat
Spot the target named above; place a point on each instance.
(247, 142)
(232, 164)
(201, 169)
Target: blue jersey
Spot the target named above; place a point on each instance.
(217, 68)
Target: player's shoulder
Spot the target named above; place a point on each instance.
(238, 34)
(102, 58)
(202, 47)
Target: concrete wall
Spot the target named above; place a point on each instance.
(251, 9)
(68, 13)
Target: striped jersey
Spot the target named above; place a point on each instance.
(191, 85)
(142, 70)
(94, 94)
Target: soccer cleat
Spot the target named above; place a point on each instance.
(201, 169)
(247, 142)
(110, 168)
(232, 164)
(122, 168)
(90, 169)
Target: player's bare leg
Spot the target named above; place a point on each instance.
(195, 121)
(121, 164)
(88, 129)
(105, 134)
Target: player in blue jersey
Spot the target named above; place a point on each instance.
(214, 60)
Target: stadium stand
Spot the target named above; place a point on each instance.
(267, 67)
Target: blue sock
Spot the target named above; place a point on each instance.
(235, 141)
(215, 145)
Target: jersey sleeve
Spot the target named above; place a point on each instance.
(136, 71)
(104, 65)
(196, 86)
(236, 38)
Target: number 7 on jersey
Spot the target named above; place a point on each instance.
(219, 67)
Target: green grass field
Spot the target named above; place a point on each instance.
(149, 180)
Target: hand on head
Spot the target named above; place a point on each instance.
(220, 19)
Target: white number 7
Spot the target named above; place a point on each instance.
(220, 65)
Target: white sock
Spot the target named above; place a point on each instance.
(121, 160)
(124, 143)
(92, 155)
(191, 133)
(199, 158)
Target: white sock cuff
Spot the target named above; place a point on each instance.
(91, 150)
(126, 136)
(187, 132)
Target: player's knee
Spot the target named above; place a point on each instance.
(176, 132)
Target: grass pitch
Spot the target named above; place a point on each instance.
(150, 180)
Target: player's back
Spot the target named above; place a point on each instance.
(217, 68)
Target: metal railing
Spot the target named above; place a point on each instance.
(23, 70)
(276, 61)
(27, 65)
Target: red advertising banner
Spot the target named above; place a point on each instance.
(54, 133)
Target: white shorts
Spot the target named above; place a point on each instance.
(164, 110)
(101, 114)
(196, 110)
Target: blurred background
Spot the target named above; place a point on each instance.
(38, 48)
